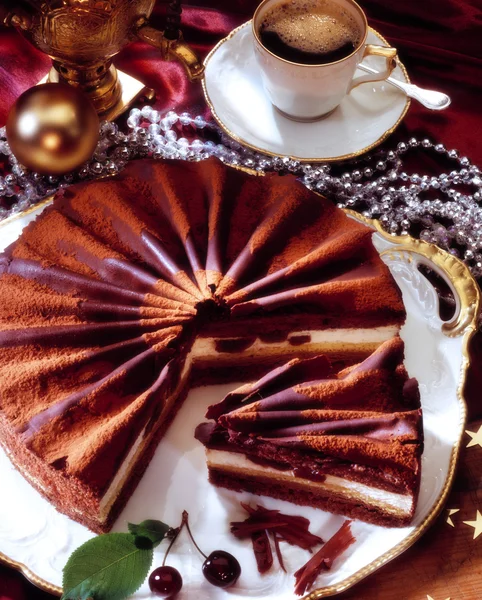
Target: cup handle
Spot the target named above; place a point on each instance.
(389, 54)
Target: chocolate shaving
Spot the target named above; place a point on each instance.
(291, 529)
(286, 528)
(243, 529)
(278, 550)
(323, 559)
(299, 537)
(262, 550)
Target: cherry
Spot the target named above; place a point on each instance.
(221, 569)
(165, 582)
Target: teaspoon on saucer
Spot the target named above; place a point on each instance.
(429, 98)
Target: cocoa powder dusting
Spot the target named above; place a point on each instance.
(25, 303)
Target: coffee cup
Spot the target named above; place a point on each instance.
(308, 52)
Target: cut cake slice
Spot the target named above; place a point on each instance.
(349, 442)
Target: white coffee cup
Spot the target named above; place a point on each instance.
(306, 92)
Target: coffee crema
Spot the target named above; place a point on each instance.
(310, 32)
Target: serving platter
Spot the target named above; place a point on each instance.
(38, 540)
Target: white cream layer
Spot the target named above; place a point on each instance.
(205, 348)
(130, 461)
(389, 502)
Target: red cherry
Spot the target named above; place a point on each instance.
(165, 582)
(221, 569)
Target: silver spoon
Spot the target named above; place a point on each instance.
(429, 98)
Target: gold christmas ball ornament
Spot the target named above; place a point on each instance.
(52, 128)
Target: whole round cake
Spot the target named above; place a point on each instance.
(128, 290)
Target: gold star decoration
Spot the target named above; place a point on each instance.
(476, 437)
(430, 598)
(451, 512)
(477, 525)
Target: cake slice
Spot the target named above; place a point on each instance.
(349, 442)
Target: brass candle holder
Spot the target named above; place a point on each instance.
(83, 36)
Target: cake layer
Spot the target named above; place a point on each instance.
(307, 496)
(341, 489)
(336, 341)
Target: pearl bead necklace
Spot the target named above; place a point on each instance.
(375, 185)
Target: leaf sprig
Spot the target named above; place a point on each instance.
(112, 566)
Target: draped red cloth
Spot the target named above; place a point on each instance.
(439, 41)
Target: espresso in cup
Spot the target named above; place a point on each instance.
(310, 32)
(308, 51)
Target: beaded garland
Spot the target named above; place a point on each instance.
(375, 185)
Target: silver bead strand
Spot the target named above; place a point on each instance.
(375, 185)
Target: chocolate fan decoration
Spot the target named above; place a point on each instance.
(124, 284)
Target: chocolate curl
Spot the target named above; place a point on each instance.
(387, 356)
(293, 372)
(262, 550)
(323, 559)
(335, 253)
(399, 425)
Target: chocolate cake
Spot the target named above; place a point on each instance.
(128, 288)
(347, 441)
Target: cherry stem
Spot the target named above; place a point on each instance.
(176, 531)
(185, 521)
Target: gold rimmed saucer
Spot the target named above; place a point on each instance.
(234, 92)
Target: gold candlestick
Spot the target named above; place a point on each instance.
(82, 37)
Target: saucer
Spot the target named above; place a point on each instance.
(234, 92)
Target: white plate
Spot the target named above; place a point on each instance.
(235, 95)
(38, 540)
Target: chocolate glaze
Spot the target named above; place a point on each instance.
(163, 261)
(100, 311)
(383, 428)
(305, 423)
(346, 290)
(127, 275)
(192, 254)
(64, 281)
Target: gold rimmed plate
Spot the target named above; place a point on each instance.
(36, 539)
(234, 92)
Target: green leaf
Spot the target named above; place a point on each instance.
(152, 530)
(107, 567)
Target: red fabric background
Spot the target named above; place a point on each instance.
(440, 42)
